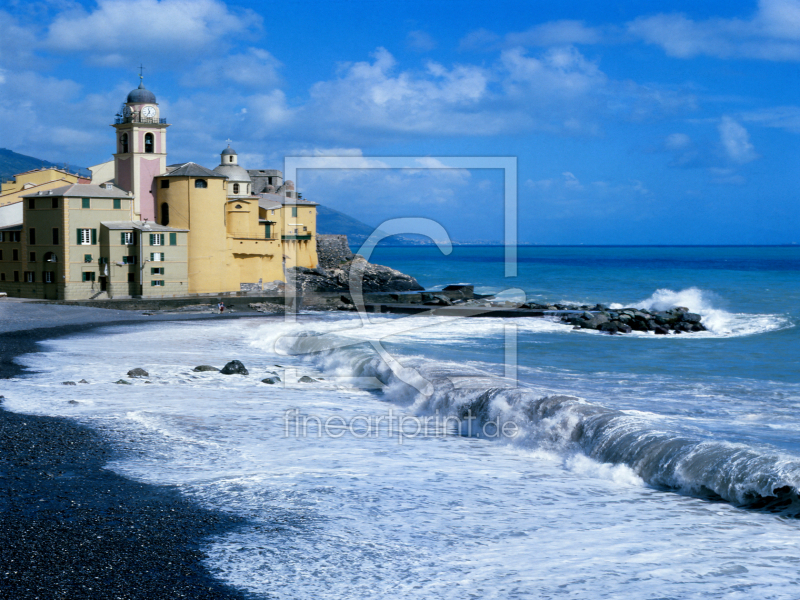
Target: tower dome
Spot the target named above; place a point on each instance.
(239, 179)
(141, 95)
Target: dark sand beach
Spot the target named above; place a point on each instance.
(72, 529)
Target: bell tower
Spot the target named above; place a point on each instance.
(141, 149)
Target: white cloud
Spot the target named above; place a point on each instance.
(677, 141)
(555, 33)
(779, 117)
(253, 69)
(736, 141)
(420, 41)
(571, 182)
(772, 33)
(117, 30)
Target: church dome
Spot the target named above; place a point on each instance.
(141, 95)
(233, 173)
(229, 167)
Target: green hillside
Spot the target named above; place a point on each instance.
(333, 221)
(12, 163)
(330, 221)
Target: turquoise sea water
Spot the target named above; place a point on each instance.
(747, 281)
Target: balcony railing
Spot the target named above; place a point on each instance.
(297, 236)
(139, 119)
(251, 236)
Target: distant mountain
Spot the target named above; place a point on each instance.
(12, 163)
(330, 221)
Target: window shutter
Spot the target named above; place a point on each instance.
(94, 236)
(122, 238)
(152, 282)
(173, 239)
(152, 256)
(152, 238)
(79, 237)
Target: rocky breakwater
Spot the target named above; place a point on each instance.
(625, 320)
(374, 278)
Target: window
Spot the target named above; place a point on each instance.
(123, 143)
(15, 254)
(2, 276)
(32, 257)
(157, 283)
(164, 214)
(87, 276)
(131, 277)
(267, 230)
(16, 275)
(157, 271)
(200, 183)
(149, 143)
(31, 203)
(156, 239)
(173, 239)
(294, 211)
(273, 212)
(86, 203)
(128, 260)
(102, 260)
(230, 159)
(126, 238)
(1, 255)
(87, 258)
(50, 257)
(54, 203)
(2, 236)
(55, 236)
(117, 203)
(164, 183)
(235, 188)
(87, 237)
(49, 277)
(32, 237)
(13, 236)
(29, 277)
(156, 257)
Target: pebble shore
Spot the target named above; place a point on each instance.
(72, 529)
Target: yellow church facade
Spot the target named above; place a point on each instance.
(142, 228)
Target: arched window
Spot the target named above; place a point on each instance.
(235, 188)
(200, 183)
(230, 159)
(148, 143)
(123, 142)
(164, 214)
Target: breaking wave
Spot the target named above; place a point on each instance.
(567, 425)
(718, 322)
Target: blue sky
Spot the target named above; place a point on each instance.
(676, 124)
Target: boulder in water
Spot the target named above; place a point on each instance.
(234, 367)
(138, 372)
(202, 368)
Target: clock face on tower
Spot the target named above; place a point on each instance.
(149, 112)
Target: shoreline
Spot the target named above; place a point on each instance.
(71, 527)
